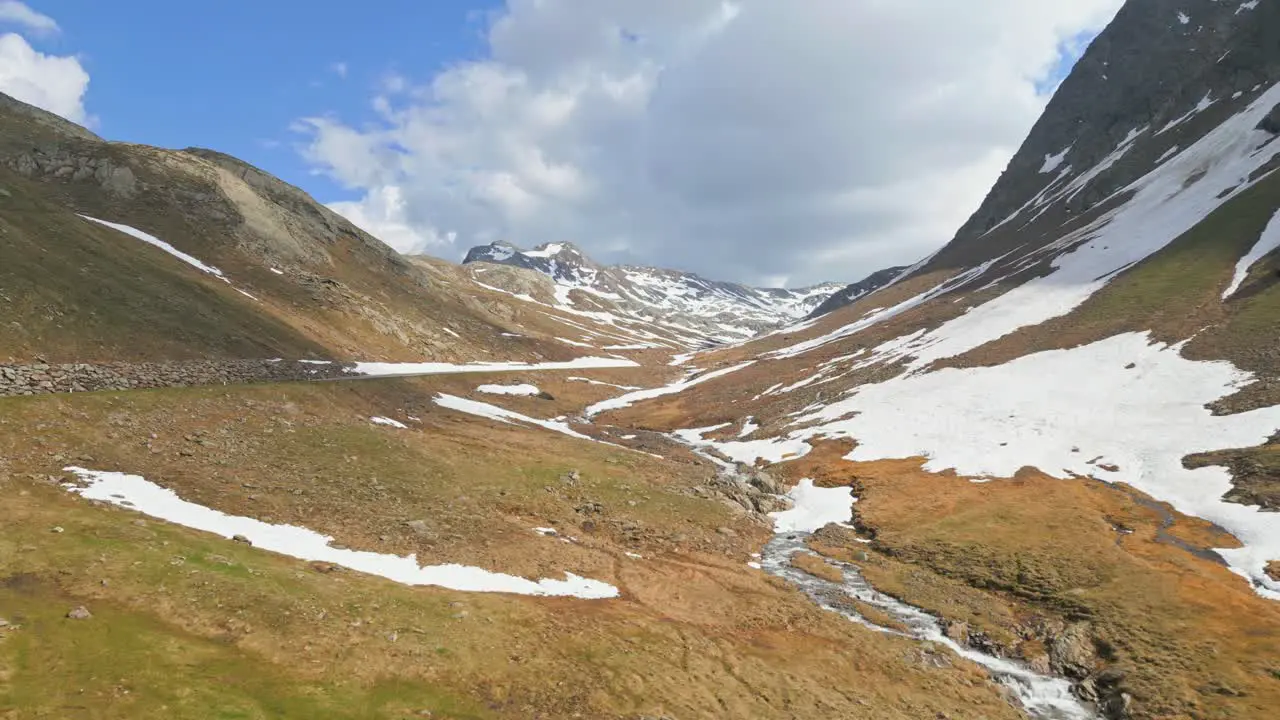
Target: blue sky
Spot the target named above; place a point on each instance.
(232, 75)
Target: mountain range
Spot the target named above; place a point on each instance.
(697, 309)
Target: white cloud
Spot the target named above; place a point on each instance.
(50, 82)
(815, 140)
(339, 68)
(16, 13)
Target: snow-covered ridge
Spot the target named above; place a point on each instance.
(718, 312)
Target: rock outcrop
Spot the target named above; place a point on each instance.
(856, 291)
(44, 378)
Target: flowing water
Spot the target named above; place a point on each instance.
(1042, 696)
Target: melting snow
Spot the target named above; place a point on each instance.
(634, 397)
(1052, 162)
(1184, 18)
(1269, 241)
(549, 250)
(493, 412)
(597, 382)
(157, 242)
(1039, 409)
(388, 422)
(813, 508)
(747, 452)
(137, 493)
(381, 369)
(509, 389)
(1200, 107)
(574, 343)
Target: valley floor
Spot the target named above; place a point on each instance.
(1094, 583)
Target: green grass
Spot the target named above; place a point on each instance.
(1188, 276)
(74, 291)
(124, 664)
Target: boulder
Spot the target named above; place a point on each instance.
(1271, 123)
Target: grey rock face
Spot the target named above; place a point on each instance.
(856, 291)
(1149, 78)
(59, 163)
(1271, 123)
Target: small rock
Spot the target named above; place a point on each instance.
(80, 613)
(241, 539)
(419, 526)
(461, 615)
(57, 529)
(727, 532)
(1273, 570)
(957, 631)
(4, 623)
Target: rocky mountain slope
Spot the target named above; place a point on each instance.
(686, 303)
(851, 293)
(1095, 349)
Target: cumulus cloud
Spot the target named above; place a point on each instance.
(16, 13)
(50, 82)
(749, 140)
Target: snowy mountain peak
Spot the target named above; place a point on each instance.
(702, 310)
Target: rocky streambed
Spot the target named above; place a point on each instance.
(1044, 697)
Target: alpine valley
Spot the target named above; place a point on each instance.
(256, 464)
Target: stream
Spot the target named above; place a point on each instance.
(1043, 697)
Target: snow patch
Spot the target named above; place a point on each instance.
(493, 412)
(381, 369)
(388, 422)
(1057, 410)
(523, 389)
(157, 242)
(1053, 162)
(605, 384)
(633, 397)
(813, 508)
(137, 493)
(1270, 240)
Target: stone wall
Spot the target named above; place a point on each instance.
(42, 378)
